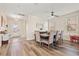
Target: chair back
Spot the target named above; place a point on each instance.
(57, 35)
(61, 35)
(37, 34)
(5, 37)
(51, 37)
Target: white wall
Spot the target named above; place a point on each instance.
(27, 25)
(59, 23)
(31, 25)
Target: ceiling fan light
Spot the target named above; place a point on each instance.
(52, 14)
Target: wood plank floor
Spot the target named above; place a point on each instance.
(21, 47)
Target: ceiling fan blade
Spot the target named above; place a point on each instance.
(21, 14)
(56, 15)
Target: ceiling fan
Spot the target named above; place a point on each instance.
(21, 14)
(52, 14)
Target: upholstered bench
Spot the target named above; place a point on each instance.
(74, 38)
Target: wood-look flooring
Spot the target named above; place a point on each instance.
(21, 47)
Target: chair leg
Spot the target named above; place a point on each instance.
(40, 44)
(35, 43)
(48, 46)
(62, 41)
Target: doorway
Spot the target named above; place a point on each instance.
(17, 27)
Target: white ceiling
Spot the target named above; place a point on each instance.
(39, 8)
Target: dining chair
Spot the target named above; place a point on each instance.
(55, 38)
(0, 40)
(37, 35)
(57, 35)
(49, 40)
(5, 39)
(59, 38)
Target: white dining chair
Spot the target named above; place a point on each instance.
(5, 39)
(0, 40)
(49, 40)
(57, 35)
(37, 35)
(59, 38)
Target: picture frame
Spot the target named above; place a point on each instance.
(71, 25)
